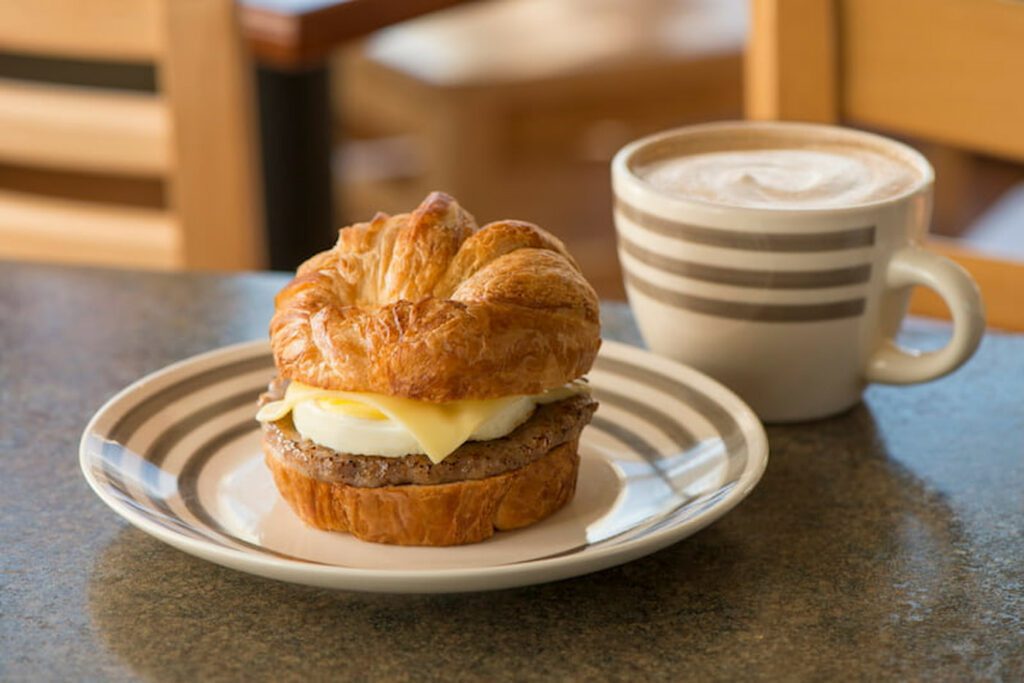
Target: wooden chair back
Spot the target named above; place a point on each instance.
(948, 71)
(196, 134)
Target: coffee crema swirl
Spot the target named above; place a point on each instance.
(802, 178)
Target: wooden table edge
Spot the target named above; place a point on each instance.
(303, 39)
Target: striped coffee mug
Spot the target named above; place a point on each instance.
(793, 307)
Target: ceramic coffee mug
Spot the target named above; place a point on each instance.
(796, 309)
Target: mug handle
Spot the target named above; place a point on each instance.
(914, 266)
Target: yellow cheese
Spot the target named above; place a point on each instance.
(439, 428)
(351, 408)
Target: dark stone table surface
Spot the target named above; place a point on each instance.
(887, 543)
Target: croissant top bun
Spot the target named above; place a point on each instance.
(427, 306)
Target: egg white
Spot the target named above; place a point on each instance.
(386, 437)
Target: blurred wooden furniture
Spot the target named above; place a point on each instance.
(291, 41)
(516, 107)
(945, 70)
(196, 134)
(293, 34)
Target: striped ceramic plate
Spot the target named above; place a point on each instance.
(177, 454)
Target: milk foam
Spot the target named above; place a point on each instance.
(811, 178)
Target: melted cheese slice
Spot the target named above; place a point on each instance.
(438, 428)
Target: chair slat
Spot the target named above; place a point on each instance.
(1001, 283)
(117, 30)
(34, 228)
(83, 129)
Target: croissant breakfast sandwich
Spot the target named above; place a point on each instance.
(428, 388)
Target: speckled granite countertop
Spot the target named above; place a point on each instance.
(885, 543)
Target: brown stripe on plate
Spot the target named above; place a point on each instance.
(650, 454)
(633, 440)
(169, 438)
(682, 437)
(740, 310)
(188, 487)
(741, 277)
(126, 426)
(725, 424)
(170, 522)
(721, 419)
(642, 448)
(851, 238)
(653, 458)
(145, 409)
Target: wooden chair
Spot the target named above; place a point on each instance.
(196, 134)
(942, 70)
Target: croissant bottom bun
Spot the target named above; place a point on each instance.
(461, 512)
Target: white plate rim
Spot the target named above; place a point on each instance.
(466, 579)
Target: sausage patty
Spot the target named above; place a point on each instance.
(550, 425)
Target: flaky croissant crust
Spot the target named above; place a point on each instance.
(427, 306)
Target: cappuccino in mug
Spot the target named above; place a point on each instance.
(813, 177)
(779, 258)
